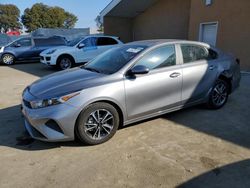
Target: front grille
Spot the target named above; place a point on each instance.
(48, 58)
(27, 104)
(42, 58)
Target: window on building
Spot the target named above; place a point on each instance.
(208, 2)
(159, 58)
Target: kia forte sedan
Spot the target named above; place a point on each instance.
(127, 84)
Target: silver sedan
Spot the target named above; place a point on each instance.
(127, 84)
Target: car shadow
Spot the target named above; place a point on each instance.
(235, 175)
(13, 133)
(36, 69)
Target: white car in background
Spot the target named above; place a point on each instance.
(80, 50)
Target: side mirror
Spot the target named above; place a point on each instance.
(17, 45)
(81, 45)
(139, 69)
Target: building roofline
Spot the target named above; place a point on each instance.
(109, 7)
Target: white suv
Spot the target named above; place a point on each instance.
(80, 50)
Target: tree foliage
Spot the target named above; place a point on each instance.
(43, 16)
(9, 17)
(99, 24)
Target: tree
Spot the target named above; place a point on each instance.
(99, 24)
(43, 16)
(9, 17)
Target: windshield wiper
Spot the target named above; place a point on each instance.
(91, 69)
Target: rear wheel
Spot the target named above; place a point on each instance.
(219, 95)
(97, 123)
(65, 62)
(8, 59)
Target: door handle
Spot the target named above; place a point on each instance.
(175, 75)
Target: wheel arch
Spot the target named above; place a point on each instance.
(66, 55)
(227, 77)
(4, 53)
(114, 104)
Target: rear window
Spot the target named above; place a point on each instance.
(104, 41)
(50, 41)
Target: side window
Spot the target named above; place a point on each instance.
(89, 42)
(159, 58)
(192, 53)
(49, 42)
(105, 41)
(23, 42)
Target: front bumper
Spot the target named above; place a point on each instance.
(48, 60)
(51, 124)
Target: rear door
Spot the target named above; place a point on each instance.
(199, 72)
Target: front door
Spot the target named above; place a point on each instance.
(88, 52)
(159, 89)
(22, 48)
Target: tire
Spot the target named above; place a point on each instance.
(65, 62)
(219, 95)
(92, 130)
(8, 59)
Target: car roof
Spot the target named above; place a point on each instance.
(155, 42)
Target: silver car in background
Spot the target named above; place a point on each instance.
(128, 84)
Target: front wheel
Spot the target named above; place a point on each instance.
(219, 95)
(8, 59)
(97, 123)
(65, 62)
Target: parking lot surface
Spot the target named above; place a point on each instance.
(195, 147)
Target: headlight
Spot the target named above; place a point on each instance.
(51, 51)
(53, 101)
(1, 49)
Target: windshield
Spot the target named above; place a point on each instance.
(114, 59)
(74, 42)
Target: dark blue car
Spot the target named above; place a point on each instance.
(27, 49)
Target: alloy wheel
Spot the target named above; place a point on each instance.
(8, 59)
(65, 63)
(220, 93)
(99, 124)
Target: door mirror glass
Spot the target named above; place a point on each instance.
(81, 45)
(139, 69)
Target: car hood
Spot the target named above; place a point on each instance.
(65, 82)
(57, 48)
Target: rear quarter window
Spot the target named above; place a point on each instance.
(192, 53)
(104, 41)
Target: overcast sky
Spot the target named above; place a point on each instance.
(85, 10)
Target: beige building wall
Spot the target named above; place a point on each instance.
(165, 19)
(120, 27)
(233, 28)
(181, 19)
